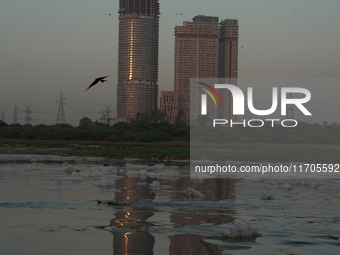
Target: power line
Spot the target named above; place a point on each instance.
(265, 102)
(305, 53)
(310, 77)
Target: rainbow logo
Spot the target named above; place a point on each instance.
(208, 92)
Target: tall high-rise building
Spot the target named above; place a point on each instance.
(196, 56)
(137, 88)
(227, 63)
(205, 48)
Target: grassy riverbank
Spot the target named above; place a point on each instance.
(271, 152)
(265, 152)
(160, 150)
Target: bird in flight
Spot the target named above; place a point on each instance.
(99, 79)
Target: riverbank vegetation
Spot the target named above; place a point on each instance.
(151, 128)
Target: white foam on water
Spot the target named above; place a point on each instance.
(237, 229)
(105, 183)
(191, 193)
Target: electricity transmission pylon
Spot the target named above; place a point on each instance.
(106, 115)
(15, 114)
(28, 117)
(61, 113)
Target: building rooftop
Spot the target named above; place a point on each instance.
(203, 18)
(230, 22)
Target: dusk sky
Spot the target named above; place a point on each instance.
(49, 46)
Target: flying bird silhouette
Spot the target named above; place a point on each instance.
(99, 79)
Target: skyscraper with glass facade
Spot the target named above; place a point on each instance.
(137, 88)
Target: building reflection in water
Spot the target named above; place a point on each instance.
(216, 189)
(133, 243)
(192, 244)
(137, 240)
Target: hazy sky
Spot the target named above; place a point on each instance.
(49, 46)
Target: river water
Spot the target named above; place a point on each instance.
(49, 205)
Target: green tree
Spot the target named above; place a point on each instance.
(3, 124)
(179, 119)
(85, 122)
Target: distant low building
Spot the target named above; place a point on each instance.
(167, 105)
